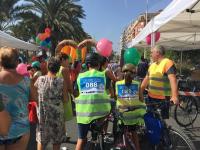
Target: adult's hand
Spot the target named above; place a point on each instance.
(175, 100)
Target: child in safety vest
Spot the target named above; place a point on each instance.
(93, 101)
(128, 94)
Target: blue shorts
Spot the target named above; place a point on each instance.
(164, 106)
(83, 130)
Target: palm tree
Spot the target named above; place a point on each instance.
(62, 16)
(6, 11)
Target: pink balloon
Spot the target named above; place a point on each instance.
(47, 30)
(22, 69)
(104, 47)
(148, 38)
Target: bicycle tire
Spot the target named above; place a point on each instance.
(90, 146)
(129, 143)
(101, 143)
(178, 140)
(185, 116)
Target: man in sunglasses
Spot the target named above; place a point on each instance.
(128, 95)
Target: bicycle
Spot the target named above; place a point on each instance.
(163, 136)
(124, 132)
(187, 111)
(156, 134)
(96, 140)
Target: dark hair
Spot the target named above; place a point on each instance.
(142, 58)
(53, 65)
(76, 62)
(29, 67)
(103, 60)
(62, 56)
(9, 57)
(92, 60)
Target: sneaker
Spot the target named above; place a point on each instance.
(64, 148)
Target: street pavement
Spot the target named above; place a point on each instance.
(193, 132)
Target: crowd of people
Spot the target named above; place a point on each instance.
(52, 84)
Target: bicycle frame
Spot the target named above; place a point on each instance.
(125, 131)
(97, 134)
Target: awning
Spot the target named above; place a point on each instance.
(179, 28)
(10, 41)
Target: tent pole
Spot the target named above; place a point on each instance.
(146, 22)
(152, 39)
(181, 62)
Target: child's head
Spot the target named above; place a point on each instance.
(103, 62)
(64, 59)
(53, 65)
(129, 71)
(92, 60)
(35, 65)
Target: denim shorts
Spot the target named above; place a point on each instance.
(83, 130)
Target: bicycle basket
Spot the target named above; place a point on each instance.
(153, 128)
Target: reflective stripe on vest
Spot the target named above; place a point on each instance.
(93, 102)
(131, 117)
(159, 79)
(127, 106)
(159, 84)
(159, 88)
(91, 114)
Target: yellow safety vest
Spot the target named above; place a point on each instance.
(159, 85)
(129, 96)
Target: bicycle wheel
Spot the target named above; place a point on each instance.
(90, 146)
(178, 140)
(101, 143)
(186, 113)
(129, 141)
(94, 146)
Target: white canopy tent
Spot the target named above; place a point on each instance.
(10, 41)
(179, 25)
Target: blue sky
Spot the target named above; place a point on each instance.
(108, 18)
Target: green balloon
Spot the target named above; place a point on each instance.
(131, 56)
(38, 40)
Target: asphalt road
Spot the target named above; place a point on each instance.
(193, 132)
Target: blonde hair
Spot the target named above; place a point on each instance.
(9, 57)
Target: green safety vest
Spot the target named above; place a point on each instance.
(93, 101)
(129, 96)
(59, 73)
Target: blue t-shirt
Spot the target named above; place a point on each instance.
(15, 99)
